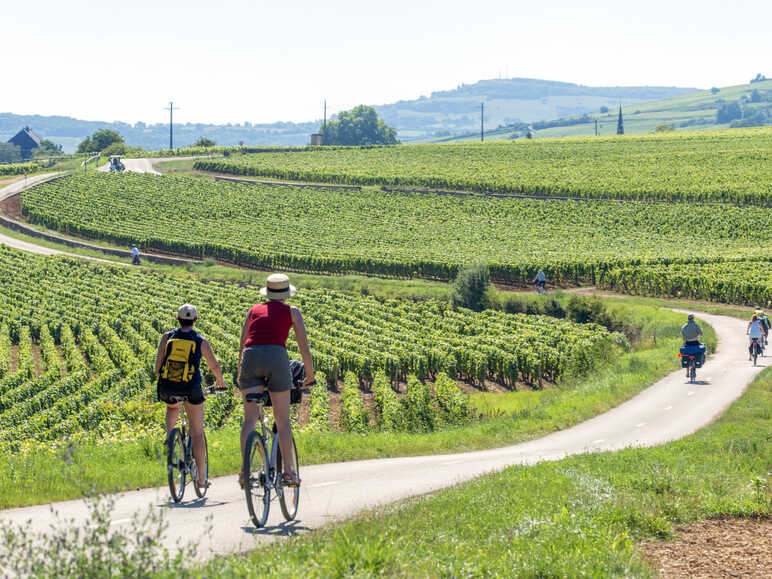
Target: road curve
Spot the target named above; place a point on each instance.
(670, 409)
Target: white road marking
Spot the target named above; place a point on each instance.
(668, 408)
(324, 484)
(690, 393)
(640, 424)
(120, 521)
(459, 461)
(598, 441)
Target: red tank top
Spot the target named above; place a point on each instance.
(269, 323)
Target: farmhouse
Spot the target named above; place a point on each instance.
(26, 140)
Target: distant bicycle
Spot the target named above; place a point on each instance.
(755, 349)
(180, 462)
(692, 357)
(263, 465)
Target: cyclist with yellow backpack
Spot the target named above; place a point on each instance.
(178, 369)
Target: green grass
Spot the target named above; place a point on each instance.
(61, 246)
(66, 472)
(581, 516)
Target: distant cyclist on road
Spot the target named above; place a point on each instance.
(755, 331)
(764, 320)
(134, 255)
(264, 364)
(690, 334)
(541, 281)
(178, 367)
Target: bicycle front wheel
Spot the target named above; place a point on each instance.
(256, 485)
(289, 496)
(200, 491)
(175, 464)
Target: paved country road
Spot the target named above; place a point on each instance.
(670, 409)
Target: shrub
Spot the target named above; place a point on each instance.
(418, 414)
(319, 406)
(353, 417)
(452, 403)
(470, 289)
(386, 403)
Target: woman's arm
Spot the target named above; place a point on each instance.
(159, 357)
(302, 339)
(211, 361)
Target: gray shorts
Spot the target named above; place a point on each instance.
(266, 366)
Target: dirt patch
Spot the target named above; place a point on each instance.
(35, 351)
(715, 548)
(13, 360)
(11, 206)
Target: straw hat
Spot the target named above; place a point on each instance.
(278, 287)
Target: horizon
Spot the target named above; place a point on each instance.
(332, 115)
(264, 63)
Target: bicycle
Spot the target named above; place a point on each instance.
(179, 455)
(263, 470)
(755, 349)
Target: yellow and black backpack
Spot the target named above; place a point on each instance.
(180, 359)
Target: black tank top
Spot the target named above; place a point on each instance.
(195, 337)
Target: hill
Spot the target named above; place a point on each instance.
(509, 101)
(695, 110)
(443, 113)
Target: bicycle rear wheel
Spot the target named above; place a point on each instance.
(175, 464)
(692, 371)
(289, 496)
(200, 491)
(256, 485)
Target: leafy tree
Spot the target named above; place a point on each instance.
(604, 109)
(116, 149)
(663, 128)
(204, 142)
(729, 112)
(758, 78)
(99, 141)
(755, 96)
(751, 117)
(714, 90)
(359, 126)
(470, 289)
(48, 148)
(9, 153)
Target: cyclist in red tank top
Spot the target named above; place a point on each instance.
(264, 363)
(269, 324)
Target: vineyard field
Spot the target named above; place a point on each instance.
(725, 166)
(19, 168)
(742, 282)
(82, 339)
(393, 234)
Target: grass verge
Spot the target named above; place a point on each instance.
(68, 472)
(581, 516)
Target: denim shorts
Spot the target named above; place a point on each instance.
(267, 366)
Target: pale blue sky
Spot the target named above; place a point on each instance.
(263, 61)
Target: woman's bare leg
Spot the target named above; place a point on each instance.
(281, 407)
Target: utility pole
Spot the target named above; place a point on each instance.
(482, 125)
(596, 127)
(171, 131)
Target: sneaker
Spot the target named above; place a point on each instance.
(290, 479)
